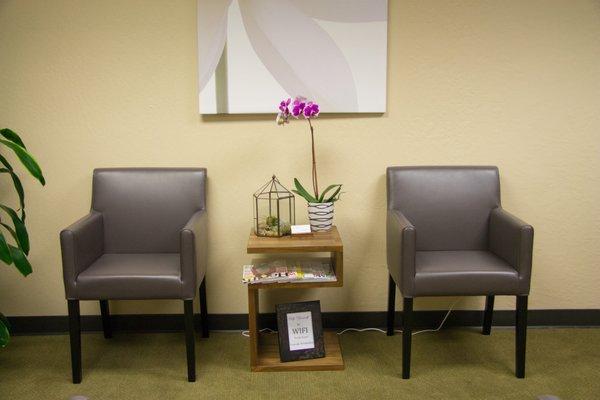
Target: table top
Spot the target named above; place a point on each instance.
(329, 241)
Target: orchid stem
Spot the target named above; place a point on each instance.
(314, 161)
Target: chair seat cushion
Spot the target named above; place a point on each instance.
(446, 273)
(131, 276)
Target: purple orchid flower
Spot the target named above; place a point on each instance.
(298, 106)
(284, 106)
(284, 112)
(311, 110)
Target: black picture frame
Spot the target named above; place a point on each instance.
(283, 310)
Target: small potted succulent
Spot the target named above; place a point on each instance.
(320, 204)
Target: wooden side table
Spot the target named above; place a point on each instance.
(264, 348)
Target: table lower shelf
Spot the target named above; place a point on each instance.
(268, 356)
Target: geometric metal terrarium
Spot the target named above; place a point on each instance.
(274, 210)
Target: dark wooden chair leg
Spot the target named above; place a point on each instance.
(488, 315)
(75, 338)
(203, 308)
(521, 335)
(188, 307)
(407, 320)
(105, 311)
(391, 311)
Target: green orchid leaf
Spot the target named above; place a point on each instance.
(300, 194)
(335, 195)
(4, 250)
(20, 260)
(27, 160)
(12, 136)
(303, 192)
(330, 187)
(4, 333)
(20, 229)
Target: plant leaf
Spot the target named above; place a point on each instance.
(27, 160)
(334, 196)
(11, 230)
(17, 184)
(19, 188)
(20, 229)
(4, 250)
(330, 187)
(4, 333)
(4, 320)
(12, 136)
(20, 192)
(302, 192)
(5, 162)
(20, 260)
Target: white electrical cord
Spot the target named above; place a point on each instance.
(247, 333)
(441, 324)
(400, 330)
(360, 330)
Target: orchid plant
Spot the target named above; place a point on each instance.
(309, 110)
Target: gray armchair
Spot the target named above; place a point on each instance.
(144, 238)
(447, 235)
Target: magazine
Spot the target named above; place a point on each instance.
(283, 271)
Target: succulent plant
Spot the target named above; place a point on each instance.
(272, 221)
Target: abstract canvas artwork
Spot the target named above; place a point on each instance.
(253, 53)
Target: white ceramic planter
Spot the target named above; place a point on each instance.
(320, 216)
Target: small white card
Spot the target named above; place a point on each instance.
(300, 331)
(300, 229)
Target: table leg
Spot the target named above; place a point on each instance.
(253, 324)
(337, 258)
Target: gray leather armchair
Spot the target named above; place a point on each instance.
(144, 238)
(447, 235)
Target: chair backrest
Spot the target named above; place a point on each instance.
(449, 206)
(144, 209)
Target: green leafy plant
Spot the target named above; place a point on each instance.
(15, 253)
(329, 195)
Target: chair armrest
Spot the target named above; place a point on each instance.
(401, 238)
(81, 244)
(512, 240)
(193, 244)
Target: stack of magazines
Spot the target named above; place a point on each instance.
(283, 271)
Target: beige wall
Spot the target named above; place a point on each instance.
(113, 83)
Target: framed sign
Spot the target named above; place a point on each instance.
(300, 331)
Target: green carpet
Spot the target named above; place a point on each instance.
(451, 364)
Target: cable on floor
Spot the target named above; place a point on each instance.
(400, 330)
(268, 330)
